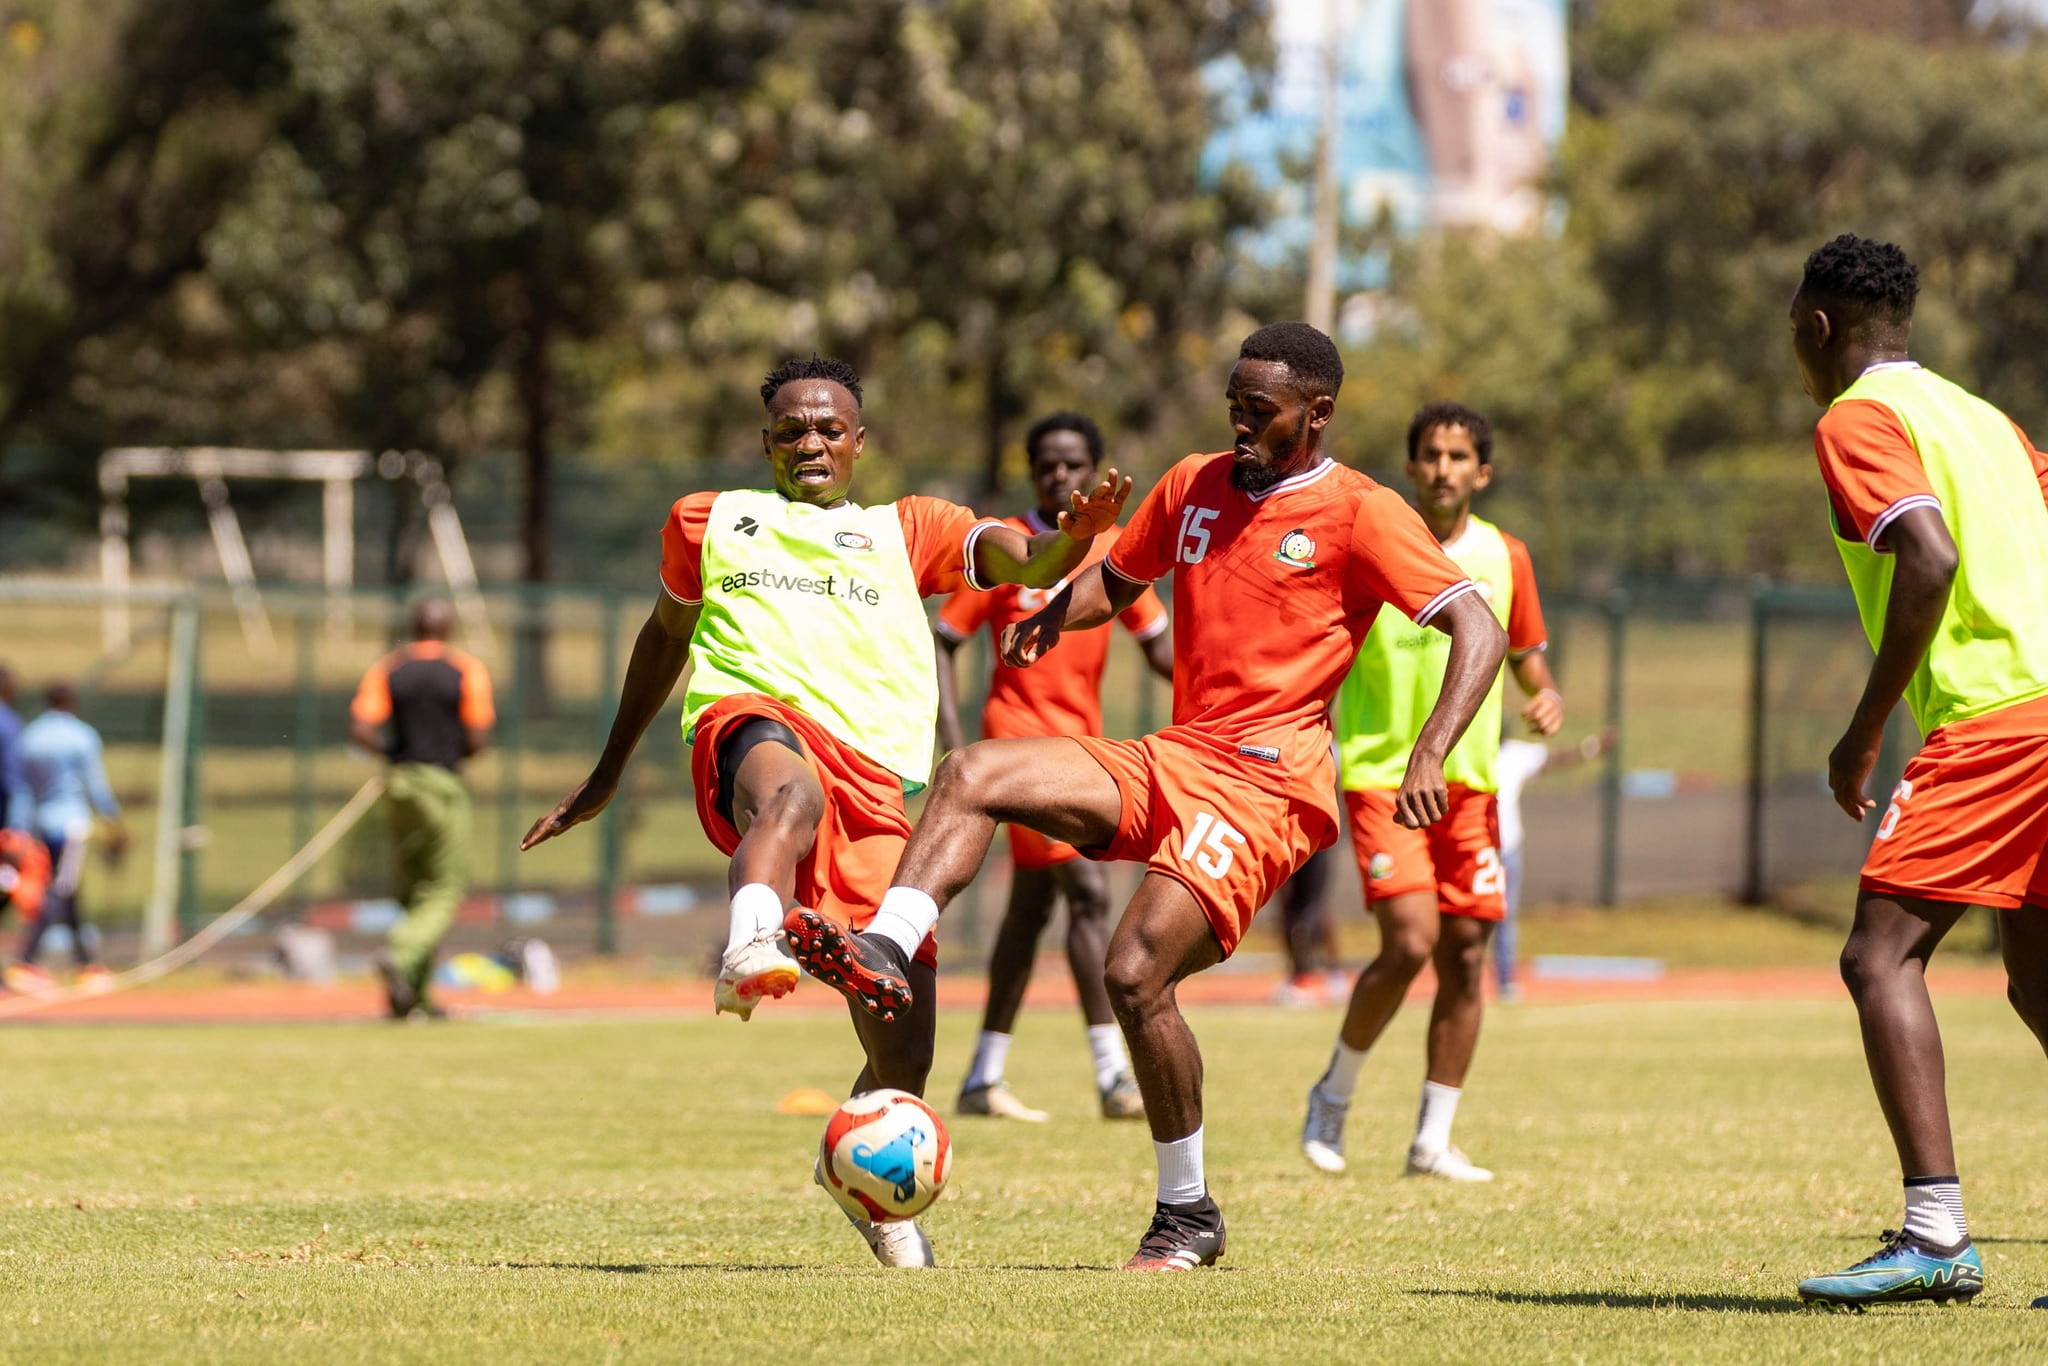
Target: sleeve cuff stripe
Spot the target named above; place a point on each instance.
(687, 602)
(1109, 568)
(1895, 511)
(1153, 631)
(1538, 648)
(945, 629)
(967, 554)
(1438, 603)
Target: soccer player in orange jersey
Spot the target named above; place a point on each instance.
(1281, 558)
(1061, 696)
(1939, 506)
(812, 696)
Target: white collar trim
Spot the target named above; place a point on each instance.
(1296, 481)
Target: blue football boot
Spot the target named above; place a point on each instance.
(1903, 1270)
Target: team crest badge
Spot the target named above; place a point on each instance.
(1297, 550)
(852, 540)
(1380, 867)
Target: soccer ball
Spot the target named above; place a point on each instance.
(885, 1156)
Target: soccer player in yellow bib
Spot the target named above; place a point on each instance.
(1438, 892)
(812, 704)
(1939, 506)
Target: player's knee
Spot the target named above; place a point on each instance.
(1407, 947)
(964, 776)
(1133, 979)
(796, 804)
(1861, 966)
(2030, 1003)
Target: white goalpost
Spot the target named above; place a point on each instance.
(335, 471)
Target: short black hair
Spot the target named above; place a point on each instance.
(1308, 353)
(1451, 415)
(1079, 423)
(1867, 281)
(817, 367)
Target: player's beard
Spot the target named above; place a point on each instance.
(1256, 479)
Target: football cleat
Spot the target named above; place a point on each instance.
(998, 1101)
(29, 980)
(865, 968)
(94, 978)
(897, 1243)
(1182, 1237)
(401, 997)
(1303, 992)
(1322, 1133)
(1905, 1269)
(1449, 1163)
(757, 969)
(1122, 1099)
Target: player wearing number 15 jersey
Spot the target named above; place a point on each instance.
(1939, 514)
(1281, 561)
(1437, 894)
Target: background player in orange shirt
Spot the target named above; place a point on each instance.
(1282, 558)
(1061, 696)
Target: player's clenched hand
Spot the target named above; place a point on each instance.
(1424, 797)
(1096, 512)
(1024, 643)
(1545, 712)
(1849, 766)
(589, 798)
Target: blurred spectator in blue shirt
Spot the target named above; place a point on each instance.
(63, 786)
(10, 744)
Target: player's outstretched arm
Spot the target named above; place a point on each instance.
(1925, 571)
(659, 653)
(1478, 645)
(1091, 599)
(1003, 554)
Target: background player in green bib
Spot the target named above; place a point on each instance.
(811, 706)
(1939, 512)
(1438, 892)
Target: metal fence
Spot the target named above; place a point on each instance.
(1725, 700)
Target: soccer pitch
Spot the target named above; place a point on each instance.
(622, 1190)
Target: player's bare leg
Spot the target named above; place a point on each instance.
(776, 806)
(1086, 886)
(1162, 939)
(1454, 1020)
(1050, 785)
(984, 1091)
(1884, 965)
(2023, 939)
(899, 1055)
(1410, 925)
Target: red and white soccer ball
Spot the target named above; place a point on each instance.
(885, 1155)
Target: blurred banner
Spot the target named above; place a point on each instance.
(1447, 112)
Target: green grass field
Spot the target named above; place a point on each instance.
(622, 1191)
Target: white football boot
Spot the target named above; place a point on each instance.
(1322, 1133)
(997, 1100)
(900, 1242)
(1448, 1163)
(761, 967)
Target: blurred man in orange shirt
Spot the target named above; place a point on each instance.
(1061, 696)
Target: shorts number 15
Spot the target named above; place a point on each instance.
(1208, 845)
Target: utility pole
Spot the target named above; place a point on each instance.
(1320, 309)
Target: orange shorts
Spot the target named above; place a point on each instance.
(24, 873)
(1029, 849)
(1969, 819)
(1224, 826)
(1458, 858)
(864, 829)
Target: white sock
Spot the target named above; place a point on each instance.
(1180, 1170)
(1934, 1210)
(1106, 1042)
(991, 1051)
(1342, 1077)
(906, 916)
(1433, 1125)
(755, 909)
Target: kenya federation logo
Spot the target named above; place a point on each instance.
(1297, 550)
(1380, 867)
(852, 540)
